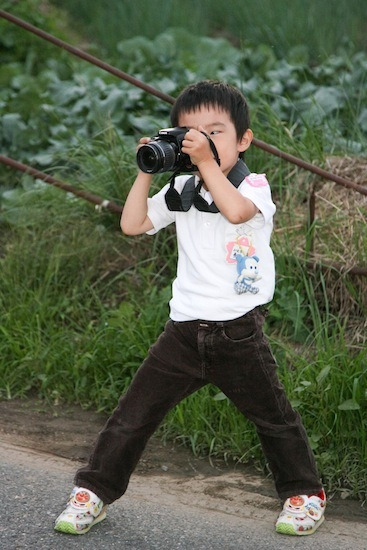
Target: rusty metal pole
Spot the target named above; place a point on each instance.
(86, 56)
(90, 197)
(311, 219)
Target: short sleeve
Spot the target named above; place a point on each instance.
(256, 188)
(158, 212)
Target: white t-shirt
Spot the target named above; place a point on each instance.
(224, 270)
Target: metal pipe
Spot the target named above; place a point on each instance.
(310, 167)
(95, 199)
(86, 56)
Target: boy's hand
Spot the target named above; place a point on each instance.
(143, 141)
(196, 145)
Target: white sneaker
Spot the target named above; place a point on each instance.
(301, 515)
(84, 510)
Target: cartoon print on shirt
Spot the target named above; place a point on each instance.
(241, 252)
(247, 270)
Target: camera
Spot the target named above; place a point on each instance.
(163, 153)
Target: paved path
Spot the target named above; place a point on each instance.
(154, 514)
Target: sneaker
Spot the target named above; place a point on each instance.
(301, 515)
(84, 509)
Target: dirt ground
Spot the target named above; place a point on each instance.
(69, 432)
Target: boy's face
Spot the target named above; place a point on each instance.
(218, 125)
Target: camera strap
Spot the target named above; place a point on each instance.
(190, 194)
(212, 147)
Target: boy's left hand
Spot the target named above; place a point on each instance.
(196, 145)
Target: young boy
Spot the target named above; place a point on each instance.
(225, 273)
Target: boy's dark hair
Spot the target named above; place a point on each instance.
(213, 93)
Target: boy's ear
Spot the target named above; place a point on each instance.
(245, 141)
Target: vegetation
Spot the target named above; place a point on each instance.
(80, 303)
(318, 29)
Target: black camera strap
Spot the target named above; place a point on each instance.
(190, 194)
(212, 147)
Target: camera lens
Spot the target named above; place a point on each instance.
(157, 156)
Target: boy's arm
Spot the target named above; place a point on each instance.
(134, 219)
(234, 206)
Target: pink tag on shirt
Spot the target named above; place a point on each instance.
(257, 180)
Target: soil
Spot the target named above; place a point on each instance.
(69, 432)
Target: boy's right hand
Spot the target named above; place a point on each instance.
(143, 141)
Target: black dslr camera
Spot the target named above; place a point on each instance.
(163, 153)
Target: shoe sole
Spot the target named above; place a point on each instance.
(287, 529)
(68, 528)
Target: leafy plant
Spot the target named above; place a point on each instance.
(60, 106)
(314, 30)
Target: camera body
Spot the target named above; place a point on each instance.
(164, 154)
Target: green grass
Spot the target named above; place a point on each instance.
(324, 27)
